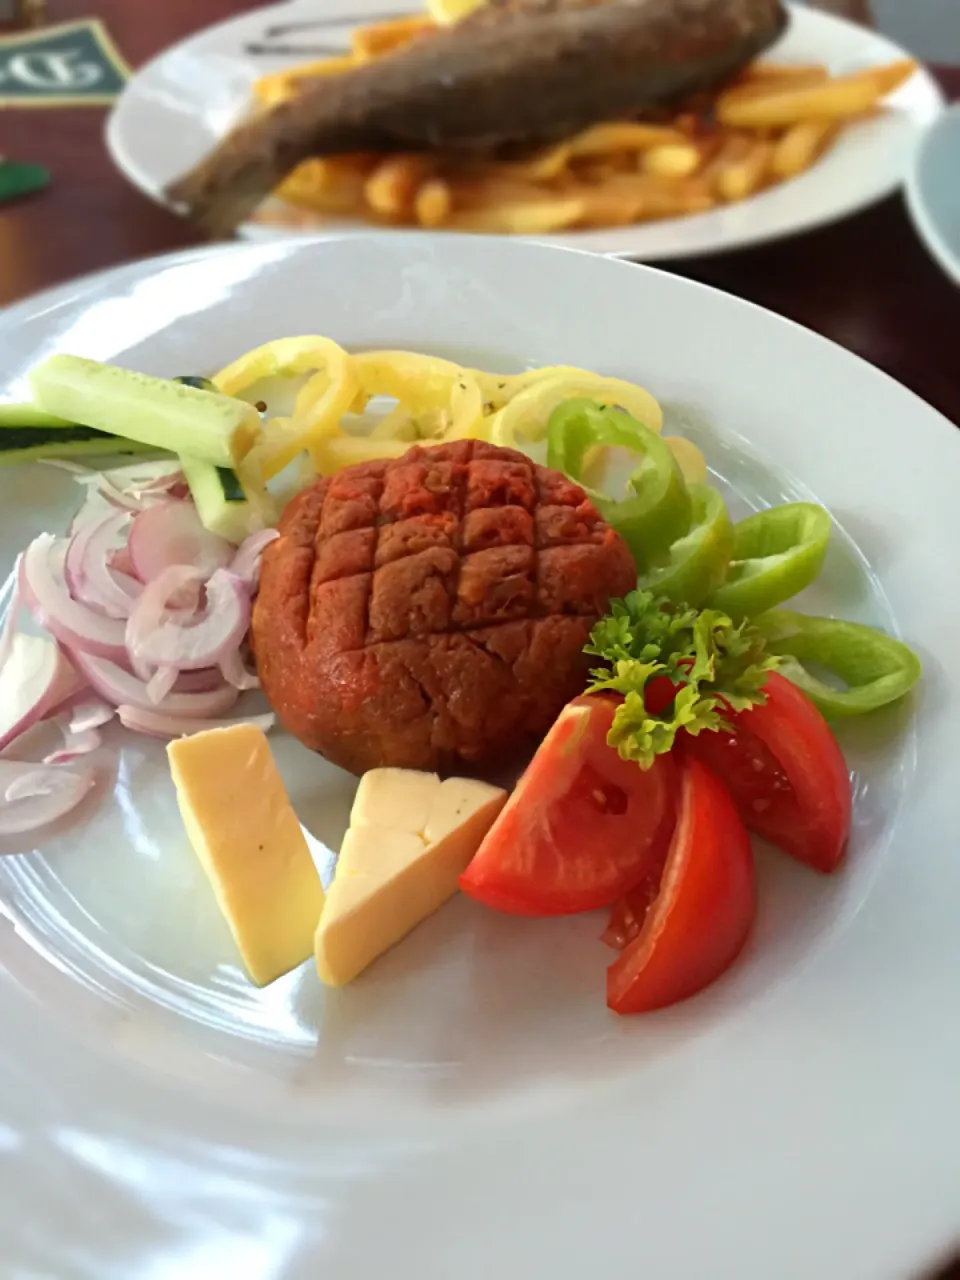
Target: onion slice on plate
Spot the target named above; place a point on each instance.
(32, 795)
(35, 679)
(46, 595)
(120, 687)
(74, 745)
(156, 639)
(246, 563)
(159, 725)
(171, 533)
(88, 571)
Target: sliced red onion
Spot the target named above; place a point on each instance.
(35, 679)
(33, 795)
(158, 485)
(159, 725)
(74, 745)
(160, 683)
(8, 629)
(246, 563)
(89, 714)
(156, 639)
(87, 569)
(46, 595)
(120, 563)
(235, 671)
(200, 681)
(164, 596)
(171, 533)
(121, 687)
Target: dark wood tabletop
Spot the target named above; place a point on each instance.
(867, 282)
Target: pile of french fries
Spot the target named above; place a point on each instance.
(769, 125)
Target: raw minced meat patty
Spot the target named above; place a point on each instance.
(433, 607)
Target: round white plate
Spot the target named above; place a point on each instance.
(469, 1108)
(933, 191)
(176, 107)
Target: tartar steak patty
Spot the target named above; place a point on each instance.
(432, 607)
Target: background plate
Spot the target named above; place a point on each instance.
(469, 1108)
(176, 107)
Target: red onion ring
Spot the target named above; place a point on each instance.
(34, 795)
(34, 681)
(88, 572)
(246, 563)
(119, 687)
(158, 725)
(156, 639)
(235, 671)
(46, 595)
(171, 533)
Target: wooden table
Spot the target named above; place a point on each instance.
(866, 283)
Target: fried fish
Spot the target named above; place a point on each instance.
(513, 72)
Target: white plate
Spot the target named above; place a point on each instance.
(175, 108)
(469, 1108)
(933, 191)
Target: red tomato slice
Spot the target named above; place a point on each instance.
(582, 826)
(786, 774)
(697, 924)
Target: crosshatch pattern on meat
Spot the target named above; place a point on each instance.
(433, 607)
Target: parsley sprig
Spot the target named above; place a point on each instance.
(718, 667)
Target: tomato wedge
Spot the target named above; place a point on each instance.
(582, 826)
(785, 773)
(697, 924)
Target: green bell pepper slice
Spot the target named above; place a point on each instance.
(776, 553)
(696, 564)
(659, 512)
(875, 668)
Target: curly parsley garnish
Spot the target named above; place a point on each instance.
(715, 665)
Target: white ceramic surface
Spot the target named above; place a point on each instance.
(176, 107)
(469, 1108)
(933, 191)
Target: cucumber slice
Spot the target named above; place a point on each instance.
(26, 443)
(28, 415)
(219, 499)
(154, 411)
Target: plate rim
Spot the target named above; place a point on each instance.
(147, 266)
(925, 223)
(858, 201)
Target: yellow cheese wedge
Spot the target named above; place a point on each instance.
(410, 838)
(245, 833)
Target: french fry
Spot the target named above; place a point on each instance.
(605, 206)
(802, 143)
(391, 188)
(433, 203)
(383, 37)
(270, 90)
(836, 99)
(330, 184)
(658, 197)
(893, 75)
(737, 179)
(671, 159)
(534, 218)
(809, 72)
(624, 135)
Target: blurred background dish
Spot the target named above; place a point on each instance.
(933, 191)
(178, 106)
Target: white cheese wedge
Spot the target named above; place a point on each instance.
(245, 833)
(410, 838)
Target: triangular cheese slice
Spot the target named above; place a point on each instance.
(410, 838)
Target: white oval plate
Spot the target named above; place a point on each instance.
(176, 107)
(933, 191)
(469, 1108)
